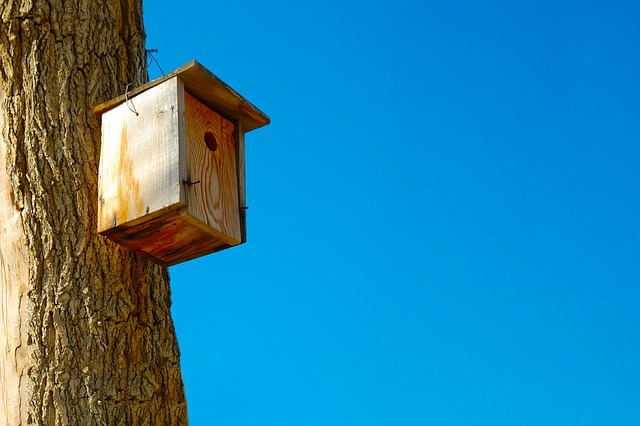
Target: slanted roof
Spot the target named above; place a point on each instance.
(208, 89)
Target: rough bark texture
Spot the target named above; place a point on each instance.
(87, 332)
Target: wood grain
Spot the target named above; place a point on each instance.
(214, 199)
(172, 238)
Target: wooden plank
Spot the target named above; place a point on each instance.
(208, 89)
(182, 143)
(167, 240)
(242, 193)
(139, 162)
(212, 184)
(216, 94)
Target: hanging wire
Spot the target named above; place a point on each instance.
(151, 59)
(138, 78)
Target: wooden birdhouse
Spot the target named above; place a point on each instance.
(171, 183)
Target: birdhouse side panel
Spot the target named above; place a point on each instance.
(211, 162)
(139, 175)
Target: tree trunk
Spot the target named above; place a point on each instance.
(86, 336)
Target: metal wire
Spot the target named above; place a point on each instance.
(138, 78)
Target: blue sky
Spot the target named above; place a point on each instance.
(443, 223)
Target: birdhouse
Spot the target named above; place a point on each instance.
(171, 183)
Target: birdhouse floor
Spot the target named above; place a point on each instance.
(169, 239)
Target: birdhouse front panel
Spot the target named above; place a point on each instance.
(171, 177)
(212, 195)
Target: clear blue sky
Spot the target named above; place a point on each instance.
(444, 222)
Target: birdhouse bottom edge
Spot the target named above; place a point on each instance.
(172, 238)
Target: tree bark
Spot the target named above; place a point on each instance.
(86, 336)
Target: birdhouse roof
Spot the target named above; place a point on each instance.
(206, 87)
